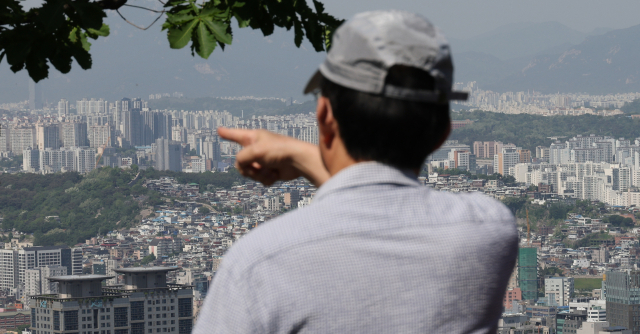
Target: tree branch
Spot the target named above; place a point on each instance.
(145, 8)
(141, 28)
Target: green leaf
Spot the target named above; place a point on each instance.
(37, 67)
(179, 37)
(85, 42)
(319, 6)
(83, 58)
(61, 61)
(90, 14)
(177, 19)
(51, 14)
(299, 34)
(18, 48)
(220, 30)
(242, 22)
(103, 31)
(206, 42)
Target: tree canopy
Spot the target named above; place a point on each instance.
(618, 221)
(67, 208)
(529, 131)
(59, 30)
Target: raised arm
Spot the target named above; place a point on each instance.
(268, 157)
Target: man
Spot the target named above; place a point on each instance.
(375, 252)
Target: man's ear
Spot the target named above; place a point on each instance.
(327, 124)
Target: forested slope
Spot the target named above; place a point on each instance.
(99, 202)
(529, 131)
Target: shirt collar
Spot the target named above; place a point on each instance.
(366, 173)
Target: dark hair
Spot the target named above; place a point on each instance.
(392, 131)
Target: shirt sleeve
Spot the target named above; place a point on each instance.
(227, 307)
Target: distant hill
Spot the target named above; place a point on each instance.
(601, 64)
(235, 107)
(519, 40)
(529, 131)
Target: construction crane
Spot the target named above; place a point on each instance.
(104, 146)
(528, 229)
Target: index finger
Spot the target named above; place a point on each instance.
(241, 136)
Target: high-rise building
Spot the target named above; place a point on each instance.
(528, 273)
(132, 124)
(492, 148)
(36, 257)
(37, 279)
(162, 123)
(272, 203)
(525, 156)
(30, 160)
(63, 107)
(559, 289)
(47, 136)
(5, 138)
(53, 161)
(292, 198)
(111, 266)
(210, 149)
(32, 281)
(8, 269)
(101, 135)
(79, 159)
(22, 137)
(623, 299)
(73, 134)
(168, 155)
(93, 106)
(76, 261)
(35, 96)
(83, 305)
(84, 159)
(507, 158)
(542, 153)
(478, 149)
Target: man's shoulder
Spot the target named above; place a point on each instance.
(330, 217)
(278, 235)
(483, 207)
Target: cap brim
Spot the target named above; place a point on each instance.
(314, 82)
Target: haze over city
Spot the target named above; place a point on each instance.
(137, 63)
(158, 192)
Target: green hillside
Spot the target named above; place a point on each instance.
(529, 131)
(99, 202)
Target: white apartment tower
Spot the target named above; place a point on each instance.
(8, 265)
(559, 289)
(63, 107)
(37, 280)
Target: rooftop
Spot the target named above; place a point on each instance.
(145, 269)
(89, 277)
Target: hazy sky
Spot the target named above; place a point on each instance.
(467, 18)
(131, 51)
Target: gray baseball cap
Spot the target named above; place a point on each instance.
(364, 48)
